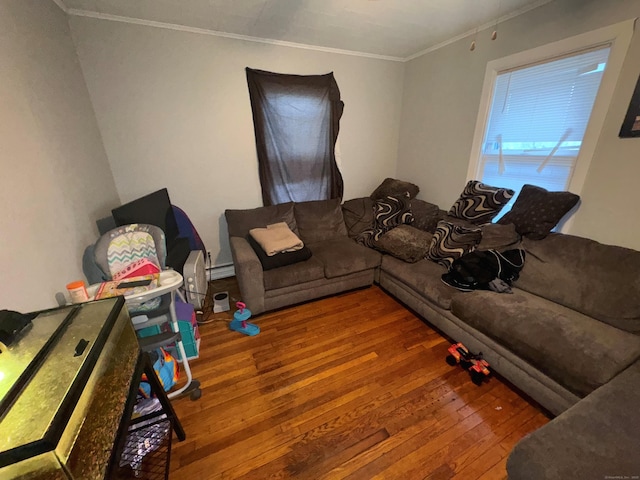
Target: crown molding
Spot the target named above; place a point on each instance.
(282, 43)
(63, 7)
(504, 18)
(204, 31)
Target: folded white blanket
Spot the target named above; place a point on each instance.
(276, 238)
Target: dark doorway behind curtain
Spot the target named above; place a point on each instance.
(296, 119)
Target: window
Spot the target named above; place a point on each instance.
(538, 108)
(296, 121)
(537, 121)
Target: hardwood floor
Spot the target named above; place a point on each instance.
(353, 386)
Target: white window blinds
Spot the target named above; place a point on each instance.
(537, 120)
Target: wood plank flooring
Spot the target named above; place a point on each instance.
(353, 386)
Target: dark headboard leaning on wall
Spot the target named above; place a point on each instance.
(155, 209)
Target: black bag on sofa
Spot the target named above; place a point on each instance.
(482, 270)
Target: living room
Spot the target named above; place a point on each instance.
(99, 110)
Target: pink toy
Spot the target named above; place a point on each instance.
(239, 322)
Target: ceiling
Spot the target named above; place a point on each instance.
(387, 28)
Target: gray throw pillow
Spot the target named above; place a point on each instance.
(499, 237)
(479, 203)
(391, 186)
(537, 211)
(427, 215)
(406, 243)
(450, 242)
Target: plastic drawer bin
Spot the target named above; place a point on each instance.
(149, 331)
(189, 340)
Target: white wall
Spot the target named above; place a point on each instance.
(440, 104)
(55, 176)
(173, 108)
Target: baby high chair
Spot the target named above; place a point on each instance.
(136, 250)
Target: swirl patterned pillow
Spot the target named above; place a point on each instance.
(479, 203)
(450, 242)
(388, 213)
(369, 237)
(393, 210)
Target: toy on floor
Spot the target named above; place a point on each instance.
(239, 322)
(475, 364)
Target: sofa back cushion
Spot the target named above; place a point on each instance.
(601, 281)
(320, 220)
(358, 215)
(239, 222)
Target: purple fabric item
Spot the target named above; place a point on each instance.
(187, 230)
(184, 311)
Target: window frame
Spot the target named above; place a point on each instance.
(618, 36)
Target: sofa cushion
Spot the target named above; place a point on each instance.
(294, 274)
(280, 259)
(596, 438)
(239, 222)
(451, 241)
(598, 280)
(479, 203)
(343, 256)
(320, 220)
(358, 215)
(391, 186)
(426, 215)
(406, 243)
(423, 277)
(579, 352)
(536, 211)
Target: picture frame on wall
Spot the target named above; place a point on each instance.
(631, 124)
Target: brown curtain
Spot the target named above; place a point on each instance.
(296, 119)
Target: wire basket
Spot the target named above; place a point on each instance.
(147, 450)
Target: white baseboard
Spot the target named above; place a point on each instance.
(223, 271)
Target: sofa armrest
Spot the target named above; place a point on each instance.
(248, 273)
(598, 437)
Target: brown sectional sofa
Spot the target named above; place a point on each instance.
(556, 337)
(568, 336)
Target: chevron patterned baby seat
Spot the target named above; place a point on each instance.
(132, 251)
